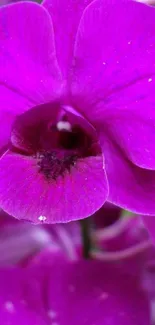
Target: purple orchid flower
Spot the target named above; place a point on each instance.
(55, 287)
(77, 108)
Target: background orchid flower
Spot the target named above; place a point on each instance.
(53, 287)
(126, 242)
(20, 241)
(77, 108)
(79, 293)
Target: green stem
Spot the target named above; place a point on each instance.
(85, 232)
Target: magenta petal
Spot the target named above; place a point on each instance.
(96, 293)
(126, 232)
(26, 194)
(6, 120)
(13, 305)
(86, 292)
(149, 222)
(66, 16)
(114, 74)
(133, 129)
(130, 187)
(20, 241)
(29, 72)
(108, 59)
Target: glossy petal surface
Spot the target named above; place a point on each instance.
(113, 75)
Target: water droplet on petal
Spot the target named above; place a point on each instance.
(42, 218)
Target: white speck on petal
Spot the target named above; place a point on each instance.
(129, 42)
(117, 62)
(9, 306)
(52, 314)
(104, 63)
(103, 296)
(64, 125)
(150, 79)
(42, 218)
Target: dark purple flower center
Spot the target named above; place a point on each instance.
(55, 138)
